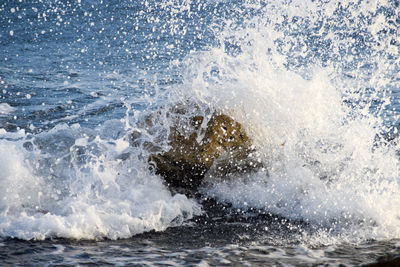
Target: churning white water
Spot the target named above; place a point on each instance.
(324, 163)
(312, 84)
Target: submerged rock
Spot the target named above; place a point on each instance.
(223, 148)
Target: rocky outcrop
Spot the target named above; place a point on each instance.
(222, 149)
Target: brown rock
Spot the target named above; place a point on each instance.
(225, 147)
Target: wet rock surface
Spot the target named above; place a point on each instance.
(224, 148)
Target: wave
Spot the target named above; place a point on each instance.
(75, 183)
(296, 78)
(311, 83)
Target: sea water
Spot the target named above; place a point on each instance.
(314, 83)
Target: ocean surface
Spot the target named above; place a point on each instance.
(315, 84)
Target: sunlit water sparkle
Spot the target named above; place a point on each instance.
(315, 84)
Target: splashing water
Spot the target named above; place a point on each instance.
(285, 75)
(313, 83)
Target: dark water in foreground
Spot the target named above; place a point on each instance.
(315, 85)
(201, 242)
(219, 238)
(212, 244)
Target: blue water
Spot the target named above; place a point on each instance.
(314, 84)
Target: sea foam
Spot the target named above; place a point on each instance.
(70, 183)
(311, 83)
(315, 121)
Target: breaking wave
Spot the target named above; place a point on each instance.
(313, 84)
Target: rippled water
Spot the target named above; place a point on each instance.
(315, 85)
(216, 244)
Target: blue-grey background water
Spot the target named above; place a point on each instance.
(314, 83)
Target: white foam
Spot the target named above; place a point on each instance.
(322, 164)
(290, 94)
(76, 186)
(6, 108)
